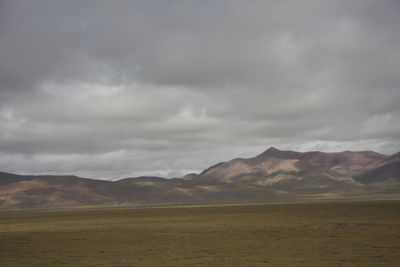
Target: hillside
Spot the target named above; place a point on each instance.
(274, 174)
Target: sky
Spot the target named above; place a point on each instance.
(112, 89)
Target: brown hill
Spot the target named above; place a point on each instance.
(274, 174)
(274, 167)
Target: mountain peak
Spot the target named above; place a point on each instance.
(271, 151)
(283, 154)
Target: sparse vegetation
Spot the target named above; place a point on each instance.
(309, 234)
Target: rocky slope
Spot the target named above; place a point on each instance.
(272, 175)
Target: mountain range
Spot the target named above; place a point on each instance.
(273, 175)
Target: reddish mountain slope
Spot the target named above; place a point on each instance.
(274, 174)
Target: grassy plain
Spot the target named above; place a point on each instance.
(363, 233)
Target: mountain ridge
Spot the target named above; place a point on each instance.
(272, 174)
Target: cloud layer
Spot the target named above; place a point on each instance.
(113, 89)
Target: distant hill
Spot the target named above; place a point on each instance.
(274, 174)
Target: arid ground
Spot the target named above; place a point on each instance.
(365, 233)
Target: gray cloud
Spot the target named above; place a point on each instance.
(113, 89)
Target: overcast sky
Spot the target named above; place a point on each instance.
(113, 89)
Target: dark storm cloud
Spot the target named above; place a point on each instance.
(109, 89)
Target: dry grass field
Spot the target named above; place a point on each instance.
(310, 234)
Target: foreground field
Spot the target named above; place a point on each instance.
(316, 234)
